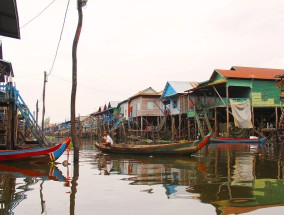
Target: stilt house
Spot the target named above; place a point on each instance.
(254, 86)
(145, 110)
(176, 105)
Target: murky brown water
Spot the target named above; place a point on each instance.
(218, 180)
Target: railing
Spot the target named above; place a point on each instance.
(8, 93)
(211, 104)
(30, 120)
(224, 101)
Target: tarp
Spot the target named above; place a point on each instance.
(242, 113)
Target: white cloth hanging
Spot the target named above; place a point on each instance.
(242, 113)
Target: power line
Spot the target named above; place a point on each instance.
(35, 16)
(91, 87)
(38, 14)
(59, 39)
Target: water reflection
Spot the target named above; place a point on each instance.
(234, 179)
(218, 180)
(13, 191)
(174, 173)
(242, 181)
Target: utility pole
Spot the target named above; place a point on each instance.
(80, 4)
(43, 101)
(36, 112)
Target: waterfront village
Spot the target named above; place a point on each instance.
(187, 110)
(237, 102)
(182, 111)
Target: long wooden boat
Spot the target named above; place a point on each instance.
(29, 169)
(229, 140)
(35, 154)
(186, 148)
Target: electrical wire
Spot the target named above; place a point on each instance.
(38, 14)
(91, 87)
(34, 16)
(59, 39)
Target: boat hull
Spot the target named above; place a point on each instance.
(30, 169)
(187, 148)
(237, 140)
(35, 154)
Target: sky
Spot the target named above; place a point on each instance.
(129, 45)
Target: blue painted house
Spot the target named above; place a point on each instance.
(176, 105)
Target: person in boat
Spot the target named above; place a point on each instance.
(107, 139)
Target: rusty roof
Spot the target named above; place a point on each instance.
(147, 92)
(249, 72)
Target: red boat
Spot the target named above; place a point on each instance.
(35, 154)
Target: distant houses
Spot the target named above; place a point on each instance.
(188, 109)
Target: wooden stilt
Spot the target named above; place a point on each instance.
(216, 121)
(227, 111)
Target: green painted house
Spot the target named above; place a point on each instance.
(256, 85)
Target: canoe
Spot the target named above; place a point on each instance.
(35, 154)
(186, 148)
(237, 140)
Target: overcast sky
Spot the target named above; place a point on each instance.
(129, 45)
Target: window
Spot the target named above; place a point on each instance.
(150, 105)
(174, 104)
(138, 106)
(264, 95)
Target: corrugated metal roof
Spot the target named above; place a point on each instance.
(147, 92)
(182, 86)
(250, 72)
(178, 87)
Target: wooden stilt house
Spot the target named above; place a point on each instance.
(145, 110)
(10, 100)
(257, 86)
(175, 100)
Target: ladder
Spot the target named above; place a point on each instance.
(281, 126)
(30, 121)
(202, 115)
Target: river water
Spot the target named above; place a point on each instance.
(220, 179)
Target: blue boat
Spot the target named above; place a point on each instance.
(232, 140)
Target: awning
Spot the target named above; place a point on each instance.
(9, 21)
(217, 82)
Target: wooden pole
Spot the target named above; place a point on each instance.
(37, 111)
(188, 129)
(173, 127)
(216, 122)
(74, 82)
(227, 98)
(276, 117)
(43, 102)
(179, 126)
(9, 132)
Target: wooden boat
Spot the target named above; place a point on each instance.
(186, 148)
(28, 169)
(35, 154)
(229, 140)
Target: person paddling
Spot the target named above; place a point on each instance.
(107, 139)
